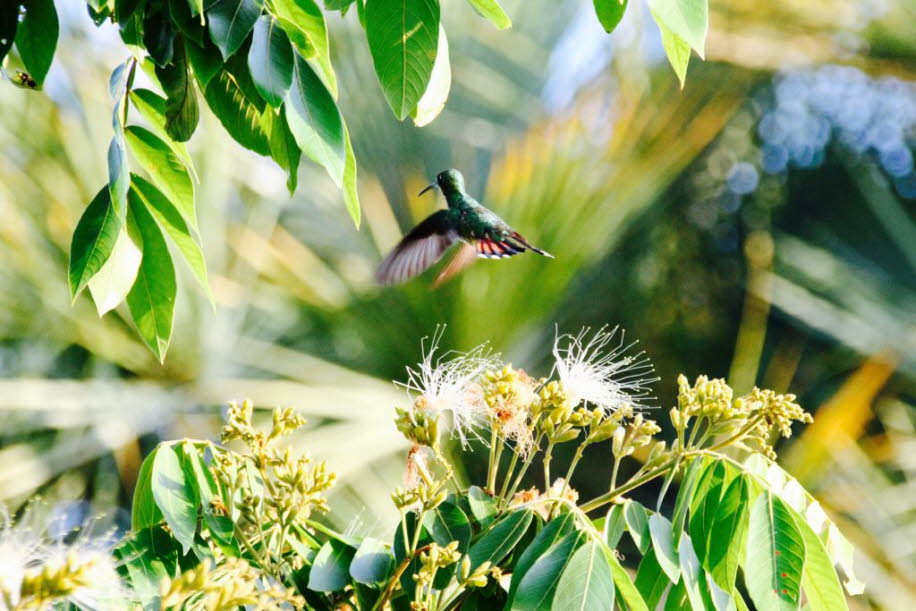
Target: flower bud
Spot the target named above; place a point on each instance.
(617, 440)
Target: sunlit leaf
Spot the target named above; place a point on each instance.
(637, 520)
(440, 82)
(610, 12)
(491, 10)
(270, 61)
(677, 51)
(586, 583)
(537, 587)
(93, 240)
(403, 37)
(500, 538)
(688, 20)
(664, 547)
(331, 568)
(372, 563)
(175, 496)
(166, 170)
(112, 282)
(775, 555)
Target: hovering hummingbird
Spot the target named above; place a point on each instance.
(482, 233)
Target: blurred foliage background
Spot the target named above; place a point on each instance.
(758, 225)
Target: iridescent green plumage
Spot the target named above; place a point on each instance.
(465, 220)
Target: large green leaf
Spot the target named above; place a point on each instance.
(624, 585)
(152, 107)
(694, 579)
(483, 507)
(403, 37)
(181, 111)
(93, 240)
(112, 282)
(554, 531)
(303, 22)
(152, 298)
(491, 10)
(175, 496)
(610, 12)
(775, 555)
(536, 588)
(144, 511)
(147, 556)
(331, 568)
(270, 60)
(315, 121)
(36, 38)
(205, 60)
(9, 21)
(614, 526)
(165, 168)
(688, 20)
(447, 523)
(725, 541)
(587, 583)
(174, 224)
(819, 579)
(651, 580)
(230, 22)
(372, 563)
(637, 520)
(496, 543)
(664, 546)
(440, 82)
(351, 195)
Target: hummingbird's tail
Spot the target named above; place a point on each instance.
(521, 240)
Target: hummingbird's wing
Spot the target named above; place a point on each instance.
(418, 250)
(464, 256)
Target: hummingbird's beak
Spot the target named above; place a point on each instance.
(427, 188)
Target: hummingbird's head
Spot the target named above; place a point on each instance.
(449, 182)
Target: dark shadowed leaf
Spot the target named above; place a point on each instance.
(9, 22)
(496, 543)
(547, 538)
(159, 36)
(36, 38)
(205, 60)
(230, 22)
(239, 107)
(181, 112)
(403, 37)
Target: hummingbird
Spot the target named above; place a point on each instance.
(480, 231)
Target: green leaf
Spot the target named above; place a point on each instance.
(725, 541)
(147, 556)
(694, 579)
(230, 22)
(36, 38)
(152, 107)
(677, 51)
(205, 60)
(351, 196)
(181, 111)
(651, 580)
(483, 507)
(403, 37)
(663, 544)
(496, 543)
(170, 219)
(638, 524)
(610, 12)
(118, 171)
(440, 82)
(775, 555)
(819, 579)
(587, 583)
(372, 563)
(159, 35)
(239, 113)
(270, 61)
(180, 12)
(553, 532)
(492, 11)
(625, 587)
(175, 496)
(283, 147)
(192, 462)
(303, 22)
(144, 511)
(614, 525)
(331, 567)
(152, 299)
(93, 241)
(536, 588)
(197, 7)
(688, 20)
(165, 168)
(684, 495)
(447, 523)
(677, 599)
(315, 121)
(112, 282)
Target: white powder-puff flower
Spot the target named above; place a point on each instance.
(448, 383)
(595, 368)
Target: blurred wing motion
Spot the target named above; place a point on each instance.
(463, 257)
(488, 249)
(418, 250)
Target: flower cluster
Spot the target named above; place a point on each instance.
(269, 489)
(231, 584)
